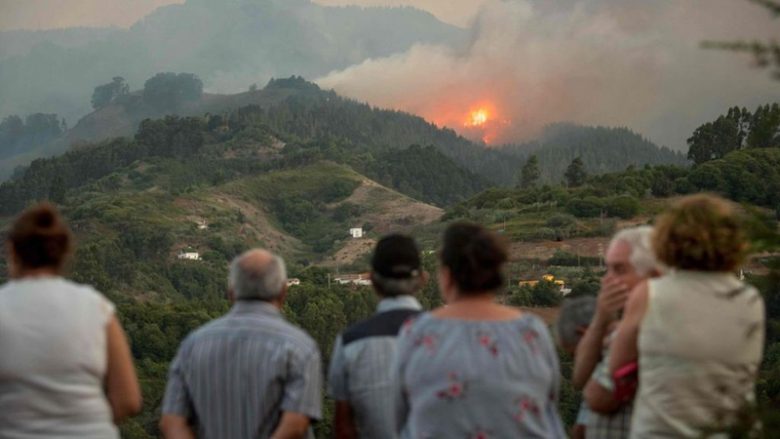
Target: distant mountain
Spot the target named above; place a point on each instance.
(21, 42)
(299, 111)
(602, 149)
(229, 44)
(290, 132)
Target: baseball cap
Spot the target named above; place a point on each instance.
(396, 256)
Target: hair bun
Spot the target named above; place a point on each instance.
(44, 217)
(475, 257)
(40, 238)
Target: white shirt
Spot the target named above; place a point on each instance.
(53, 358)
(700, 348)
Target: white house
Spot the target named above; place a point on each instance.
(356, 232)
(293, 281)
(353, 279)
(202, 224)
(190, 255)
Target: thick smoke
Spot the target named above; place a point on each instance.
(56, 14)
(611, 62)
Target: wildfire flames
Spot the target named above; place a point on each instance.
(481, 122)
(477, 118)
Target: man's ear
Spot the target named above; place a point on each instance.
(11, 260)
(424, 278)
(581, 330)
(283, 294)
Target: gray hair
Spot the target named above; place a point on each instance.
(257, 281)
(642, 255)
(391, 287)
(575, 314)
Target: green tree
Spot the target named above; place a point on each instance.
(530, 173)
(765, 127)
(57, 190)
(623, 206)
(575, 174)
(713, 140)
(662, 186)
(167, 91)
(106, 93)
(587, 207)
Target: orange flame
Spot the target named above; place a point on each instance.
(482, 122)
(477, 118)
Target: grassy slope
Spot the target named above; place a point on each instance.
(240, 214)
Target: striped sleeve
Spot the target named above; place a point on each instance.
(337, 373)
(177, 400)
(302, 392)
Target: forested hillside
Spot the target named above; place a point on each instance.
(298, 111)
(601, 149)
(294, 175)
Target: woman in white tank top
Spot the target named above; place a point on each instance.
(65, 365)
(698, 332)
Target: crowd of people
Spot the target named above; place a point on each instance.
(670, 346)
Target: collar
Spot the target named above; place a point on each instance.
(399, 302)
(241, 307)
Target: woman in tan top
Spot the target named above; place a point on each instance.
(65, 365)
(698, 331)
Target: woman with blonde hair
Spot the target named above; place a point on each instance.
(698, 332)
(65, 365)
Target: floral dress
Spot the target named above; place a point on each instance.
(477, 379)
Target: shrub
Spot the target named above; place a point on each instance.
(623, 206)
(585, 207)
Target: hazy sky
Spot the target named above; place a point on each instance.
(635, 63)
(458, 12)
(47, 14)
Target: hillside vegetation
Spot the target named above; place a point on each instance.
(602, 150)
(297, 111)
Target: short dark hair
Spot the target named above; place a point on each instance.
(396, 256)
(475, 257)
(40, 238)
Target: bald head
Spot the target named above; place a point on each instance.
(257, 275)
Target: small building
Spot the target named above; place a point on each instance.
(293, 281)
(356, 232)
(547, 278)
(353, 279)
(202, 224)
(189, 254)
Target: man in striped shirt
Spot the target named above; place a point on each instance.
(359, 378)
(248, 374)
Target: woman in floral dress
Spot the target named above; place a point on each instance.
(475, 369)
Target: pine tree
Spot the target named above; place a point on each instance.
(530, 173)
(575, 173)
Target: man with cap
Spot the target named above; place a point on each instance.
(359, 379)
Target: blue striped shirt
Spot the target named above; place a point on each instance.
(234, 376)
(360, 367)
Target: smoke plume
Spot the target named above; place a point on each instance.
(610, 62)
